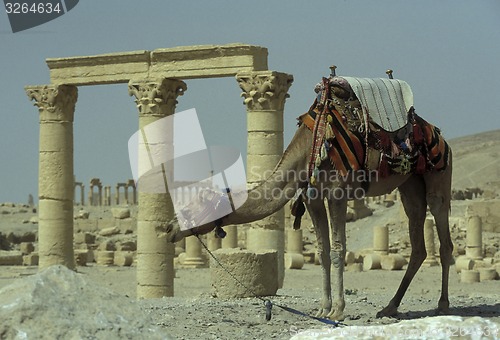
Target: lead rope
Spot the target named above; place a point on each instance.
(268, 303)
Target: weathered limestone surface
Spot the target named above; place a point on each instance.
(185, 62)
(429, 243)
(155, 256)
(474, 247)
(258, 271)
(56, 105)
(264, 96)
(381, 240)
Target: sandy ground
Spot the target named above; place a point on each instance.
(194, 313)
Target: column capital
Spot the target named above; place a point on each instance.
(54, 102)
(264, 90)
(156, 97)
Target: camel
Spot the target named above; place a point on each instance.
(418, 191)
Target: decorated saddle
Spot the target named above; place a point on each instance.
(371, 124)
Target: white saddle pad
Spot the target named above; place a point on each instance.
(387, 101)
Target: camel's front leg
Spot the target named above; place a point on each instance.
(338, 210)
(317, 211)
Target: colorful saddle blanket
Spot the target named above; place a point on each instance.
(387, 101)
(352, 139)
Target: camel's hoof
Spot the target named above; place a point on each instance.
(336, 316)
(443, 308)
(322, 313)
(443, 311)
(388, 311)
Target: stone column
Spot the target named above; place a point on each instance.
(194, 257)
(293, 257)
(56, 105)
(381, 240)
(155, 268)
(429, 243)
(107, 195)
(265, 93)
(213, 242)
(474, 238)
(231, 239)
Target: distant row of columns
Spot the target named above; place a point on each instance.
(99, 201)
(264, 92)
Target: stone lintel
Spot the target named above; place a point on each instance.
(207, 61)
(185, 62)
(99, 69)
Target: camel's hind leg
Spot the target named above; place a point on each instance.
(438, 187)
(338, 211)
(317, 211)
(413, 197)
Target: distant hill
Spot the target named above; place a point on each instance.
(476, 161)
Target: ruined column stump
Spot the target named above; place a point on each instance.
(381, 240)
(257, 270)
(392, 262)
(372, 261)
(486, 274)
(231, 239)
(463, 263)
(474, 242)
(293, 257)
(213, 242)
(194, 257)
(430, 247)
(469, 276)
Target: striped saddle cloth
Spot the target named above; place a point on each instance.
(381, 133)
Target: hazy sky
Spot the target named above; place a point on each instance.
(448, 51)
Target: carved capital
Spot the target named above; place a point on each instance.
(156, 97)
(54, 102)
(265, 90)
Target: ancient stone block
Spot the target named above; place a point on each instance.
(126, 246)
(11, 258)
(109, 231)
(81, 257)
(469, 276)
(28, 236)
(120, 213)
(294, 261)
(258, 271)
(84, 238)
(31, 259)
(27, 248)
(486, 274)
(371, 261)
(392, 262)
(105, 257)
(463, 263)
(123, 258)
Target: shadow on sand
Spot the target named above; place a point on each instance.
(483, 310)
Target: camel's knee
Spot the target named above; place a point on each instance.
(337, 254)
(446, 252)
(436, 204)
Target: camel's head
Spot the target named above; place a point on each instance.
(200, 216)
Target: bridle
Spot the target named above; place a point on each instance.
(213, 204)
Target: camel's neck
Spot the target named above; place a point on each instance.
(276, 190)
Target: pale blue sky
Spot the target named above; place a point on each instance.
(448, 51)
